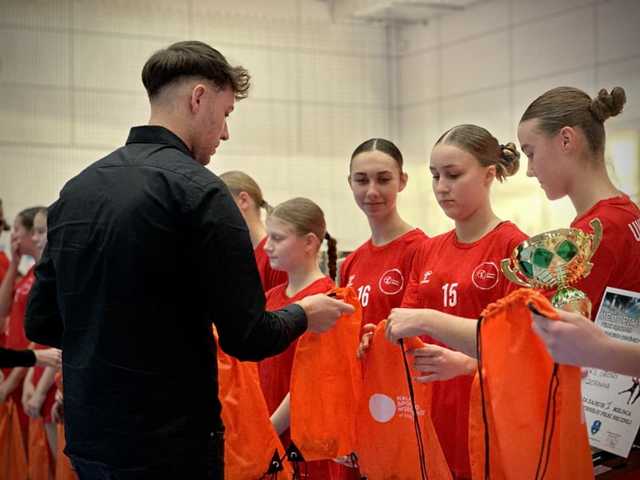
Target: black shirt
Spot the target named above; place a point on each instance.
(16, 358)
(146, 248)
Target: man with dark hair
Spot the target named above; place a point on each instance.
(146, 249)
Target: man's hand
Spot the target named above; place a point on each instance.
(50, 357)
(323, 311)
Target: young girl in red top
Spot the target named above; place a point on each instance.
(295, 231)
(562, 133)
(378, 269)
(39, 389)
(14, 292)
(459, 272)
(248, 197)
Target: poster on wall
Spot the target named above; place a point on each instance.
(611, 401)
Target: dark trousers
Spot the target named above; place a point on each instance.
(207, 466)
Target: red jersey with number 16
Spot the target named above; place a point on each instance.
(379, 274)
(460, 279)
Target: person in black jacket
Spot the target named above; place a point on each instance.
(146, 249)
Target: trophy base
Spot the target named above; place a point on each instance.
(572, 300)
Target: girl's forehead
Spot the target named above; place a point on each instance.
(274, 223)
(371, 162)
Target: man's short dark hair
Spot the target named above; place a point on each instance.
(193, 59)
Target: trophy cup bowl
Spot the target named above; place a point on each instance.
(556, 259)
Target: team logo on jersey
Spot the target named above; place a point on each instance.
(426, 277)
(350, 282)
(391, 282)
(485, 276)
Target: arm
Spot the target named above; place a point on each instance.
(457, 332)
(281, 418)
(11, 382)
(27, 387)
(43, 323)
(33, 406)
(16, 358)
(575, 340)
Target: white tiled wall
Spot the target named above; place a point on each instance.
(70, 88)
(486, 64)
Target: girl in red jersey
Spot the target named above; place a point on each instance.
(459, 272)
(378, 269)
(562, 133)
(39, 389)
(295, 231)
(248, 197)
(14, 292)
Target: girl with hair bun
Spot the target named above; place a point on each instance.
(295, 232)
(562, 134)
(248, 197)
(459, 273)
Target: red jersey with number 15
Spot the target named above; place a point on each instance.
(460, 279)
(379, 274)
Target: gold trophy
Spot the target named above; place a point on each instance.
(556, 259)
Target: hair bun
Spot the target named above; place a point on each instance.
(509, 162)
(607, 104)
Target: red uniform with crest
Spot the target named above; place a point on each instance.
(269, 277)
(616, 263)
(379, 274)
(460, 279)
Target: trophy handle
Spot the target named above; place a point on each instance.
(511, 275)
(596, 225)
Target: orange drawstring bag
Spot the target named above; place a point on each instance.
(250, 441)
(39, 457)
(13, 459)
(64, 469)
(392, 445)
(326, 381)
(526, 417)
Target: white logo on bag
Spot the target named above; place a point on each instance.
(391, 282)
(383, 408)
